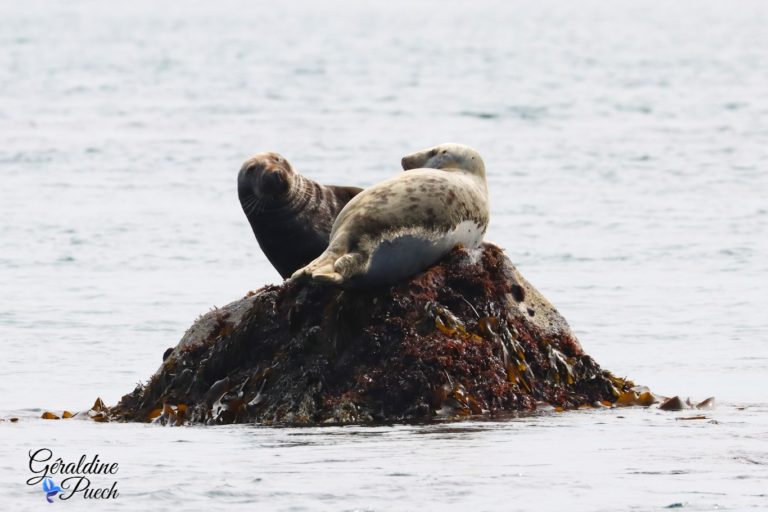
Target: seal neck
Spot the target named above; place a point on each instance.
(300, 194)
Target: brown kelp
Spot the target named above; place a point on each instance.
(470, 337)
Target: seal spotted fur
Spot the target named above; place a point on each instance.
(403, 225)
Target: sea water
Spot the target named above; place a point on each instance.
(626, 145)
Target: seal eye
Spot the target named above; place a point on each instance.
(432, 153)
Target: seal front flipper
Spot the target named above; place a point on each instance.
(327, 278)
(323, 264)
(348, 264)
(330, 269)
(344, 267)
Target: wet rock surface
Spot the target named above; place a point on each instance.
(470, 337)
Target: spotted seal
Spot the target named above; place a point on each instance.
(290, 214)
(403, 225)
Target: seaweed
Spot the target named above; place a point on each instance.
(469, 337)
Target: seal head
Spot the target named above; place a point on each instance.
(446, 156)
(290, 215)
(264, 178)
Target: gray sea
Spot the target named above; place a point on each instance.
(626, 144)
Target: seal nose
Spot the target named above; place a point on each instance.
(274, 183)
(404, 162)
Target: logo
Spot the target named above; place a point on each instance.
(84, 478)
(50, 489)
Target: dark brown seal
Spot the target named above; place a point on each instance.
(290, 215)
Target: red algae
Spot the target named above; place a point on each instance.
(469, 337)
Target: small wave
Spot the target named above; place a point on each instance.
(478, 115)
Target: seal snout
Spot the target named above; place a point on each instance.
(274, 182)
(408, 163)
(419, 159)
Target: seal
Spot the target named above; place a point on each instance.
(402, 226)
(290, 214)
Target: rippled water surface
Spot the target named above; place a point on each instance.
(627, 153)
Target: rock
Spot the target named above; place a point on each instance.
(470, 337)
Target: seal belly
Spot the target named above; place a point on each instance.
(405, 255)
